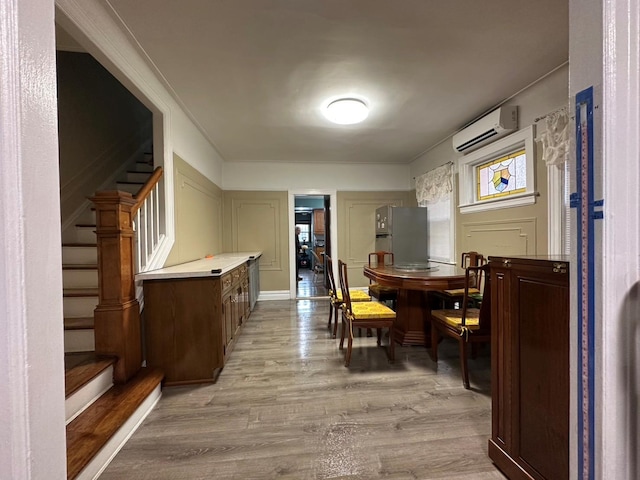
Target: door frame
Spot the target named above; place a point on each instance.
(333, 225)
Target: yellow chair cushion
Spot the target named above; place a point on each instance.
(453, 317)
(371, 310)
(356, 296)
(460, 291)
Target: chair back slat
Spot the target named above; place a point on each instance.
(344, 285)
(485, 306)
(332, 281)
(472, 259)
(380, 259)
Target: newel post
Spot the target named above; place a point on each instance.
(117, 316)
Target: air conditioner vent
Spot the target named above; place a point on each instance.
(492, 126)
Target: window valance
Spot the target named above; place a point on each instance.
(435, 185)
(556, 139)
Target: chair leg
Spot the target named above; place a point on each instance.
(379, 333)
(463, 363)
(330, 315)
(434, 342)
(335, 324)
(344, 326)
(392, 353)
(347, 358)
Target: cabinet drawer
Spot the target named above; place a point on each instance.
(227, 281)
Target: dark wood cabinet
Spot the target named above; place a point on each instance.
(318, 222)
(530, 367)
(192, 324)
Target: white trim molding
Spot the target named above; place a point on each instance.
(555, 208)
(617, 386)
(32, 430)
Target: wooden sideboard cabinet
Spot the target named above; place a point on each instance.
(530, 367)
(192, 323)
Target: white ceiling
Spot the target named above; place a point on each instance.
(253, 74)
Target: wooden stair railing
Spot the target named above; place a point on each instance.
(117, 315)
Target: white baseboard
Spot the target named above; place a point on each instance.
(274, 295)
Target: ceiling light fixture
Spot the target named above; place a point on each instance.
(346, 111)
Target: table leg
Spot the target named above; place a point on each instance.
(412, 325)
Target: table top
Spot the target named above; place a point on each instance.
(441, 277)
(214, 266)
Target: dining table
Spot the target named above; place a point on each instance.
(413, 305)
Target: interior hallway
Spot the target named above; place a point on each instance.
(311, 285)
(286, 407)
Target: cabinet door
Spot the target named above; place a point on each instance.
(318, 221)
(245, 300)
(227, 308)
(501, 383)
(540, 362)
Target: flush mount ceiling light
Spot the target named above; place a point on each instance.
(346, 111)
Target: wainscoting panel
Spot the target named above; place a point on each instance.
(198, 215)
(356, 228)
(198, 218)
(256, 225)
(503, 237)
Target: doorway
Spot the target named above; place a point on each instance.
(313, 222)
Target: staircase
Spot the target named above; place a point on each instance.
(80, 267)
(100, 416)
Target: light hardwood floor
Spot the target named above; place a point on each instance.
(311, 285)
(286, 407)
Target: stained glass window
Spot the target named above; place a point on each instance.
(502, 177)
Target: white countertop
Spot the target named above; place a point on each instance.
(205, 267)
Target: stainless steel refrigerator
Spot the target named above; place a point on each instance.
(403, 231)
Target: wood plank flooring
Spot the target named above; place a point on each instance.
(285, 407)
(311, 285)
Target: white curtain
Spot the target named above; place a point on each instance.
(434, 190)
(556, 138)
(434, 185)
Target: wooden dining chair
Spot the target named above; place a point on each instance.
(363, 315)
(468, 325)
(318, 266)
(381, 292)
(451, 298)
(335, 297)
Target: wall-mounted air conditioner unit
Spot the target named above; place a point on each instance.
(492, 126)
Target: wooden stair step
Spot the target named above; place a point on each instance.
(88, 433)
(86, 225)
(94, 245)
(73, 266)
(78, 323)
(81, 367)
(80, 292)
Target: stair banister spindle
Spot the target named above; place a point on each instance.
(138, 254)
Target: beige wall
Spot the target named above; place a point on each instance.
(356, 227)
(198, 214)
(516, 230)
(258, 221)
(101, 126)
(508, 231)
